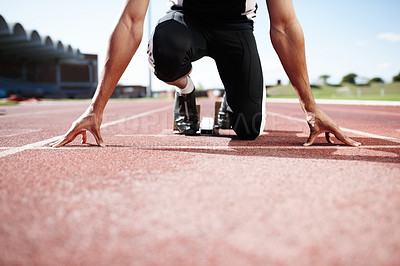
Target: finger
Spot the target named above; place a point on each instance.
(97, 136)
(53, 143)
(65, 139)
(84, 137)
(60, 142)
(311, 138)
(346, 140)
(328, 138)
(343, 138)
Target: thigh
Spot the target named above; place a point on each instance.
(239, 66)
(173, 47)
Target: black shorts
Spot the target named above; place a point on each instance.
(178, 40)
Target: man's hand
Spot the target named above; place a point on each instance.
(319, 123)
(88, 121)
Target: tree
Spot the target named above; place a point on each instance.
(325, 79)
(349, 78)
(376, 80)
(396, 78)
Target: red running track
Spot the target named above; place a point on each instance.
(154, 198)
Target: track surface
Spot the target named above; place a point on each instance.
(154, 198)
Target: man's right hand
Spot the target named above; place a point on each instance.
(319, 122)
(88, 121)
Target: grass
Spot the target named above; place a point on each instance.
(8, 102)
(375, 91)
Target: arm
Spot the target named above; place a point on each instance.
(288, 41)
(123, 43)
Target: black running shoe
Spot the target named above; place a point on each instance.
(223, 117)
(185, 113)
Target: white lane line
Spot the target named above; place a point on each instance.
(149, 135)
(27, 147)
(370, 135)
(38, 144)
(220, 147)
(353, 131)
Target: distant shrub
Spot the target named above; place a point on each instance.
(376, 80)
(349, 78)
(396, 78)
(313, 86)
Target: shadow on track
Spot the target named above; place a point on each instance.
(285, 144)
(279, 144)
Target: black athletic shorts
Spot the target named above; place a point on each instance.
(179, 40)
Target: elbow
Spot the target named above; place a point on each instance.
(136, 32)
(281, 27)
(277, 34)
(132, 27)
(286, 29)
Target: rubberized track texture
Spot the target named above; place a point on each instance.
(152, 197)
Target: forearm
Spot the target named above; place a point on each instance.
(288, 41)
(123, 43)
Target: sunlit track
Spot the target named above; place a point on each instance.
(47, 141)
(236, 147)
(36, 145)
(357, 132)
(151, 195)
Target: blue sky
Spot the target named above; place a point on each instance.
(356, 36)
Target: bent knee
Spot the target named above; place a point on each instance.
(247, 128)
(169, 51)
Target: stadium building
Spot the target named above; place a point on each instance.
(32, 65)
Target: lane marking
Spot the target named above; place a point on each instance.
(148, 135)
(38, 144)
(220, 147)
(353, 131)
(27, 147)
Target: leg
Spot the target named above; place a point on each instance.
(181, 83)
(240, 70)
(172, 48)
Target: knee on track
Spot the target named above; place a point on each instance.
(247, 127)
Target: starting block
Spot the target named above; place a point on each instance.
(207, 126)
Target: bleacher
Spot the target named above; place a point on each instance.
(29, 89)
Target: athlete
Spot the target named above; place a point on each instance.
(223, 30)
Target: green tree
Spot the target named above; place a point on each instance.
(349, 78)
(396, 78)
(376, 80)
(325, 79)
